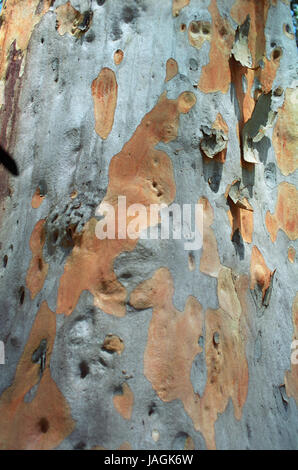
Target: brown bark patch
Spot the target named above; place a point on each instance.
(44, 422)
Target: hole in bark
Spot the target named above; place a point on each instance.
(194, 27)
(182, 27)
(278, 91)
(5, 259)
(42, 40)
(288, 28)
(126, 275)
(22, 295)
(276, 54)
(43, 425)
(206, 30)
(80, 446)
(55, 236)
(152, 409)
(84, 369)
(100, 2)
(40, 264)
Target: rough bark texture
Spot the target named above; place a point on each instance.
(139, 343)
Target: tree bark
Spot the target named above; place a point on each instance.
(141, 343)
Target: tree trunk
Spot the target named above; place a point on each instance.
(151, 342)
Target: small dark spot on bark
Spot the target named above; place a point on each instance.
(80, 446)
(22, 295)
(84, 369)
(276, 54)
(5, 259)
(43, 425)
(100, 2)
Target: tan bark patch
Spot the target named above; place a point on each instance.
(118, 56)
(37, 199)
(291, 254)
(285, 216)
(104, 92)
(210, 262)
(291, 377)
(38, 269)
(259, 272)
(285, 139)
(178, 5)
(171, 69)
(45, 421)
(114, 344)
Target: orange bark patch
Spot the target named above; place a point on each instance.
(210, 262)
(291, 254)
(37, 199)
(145, 176)
(104, 91)
(173, 344)
(40, 424)
(285, 140)
(216, 76)
(171, 69)
(38, 269)
(118, 56)
(258, 12)
(285, 216)
(178, 5)
(259, 272)
(114, 344)
(124, 403)
(291, 377)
